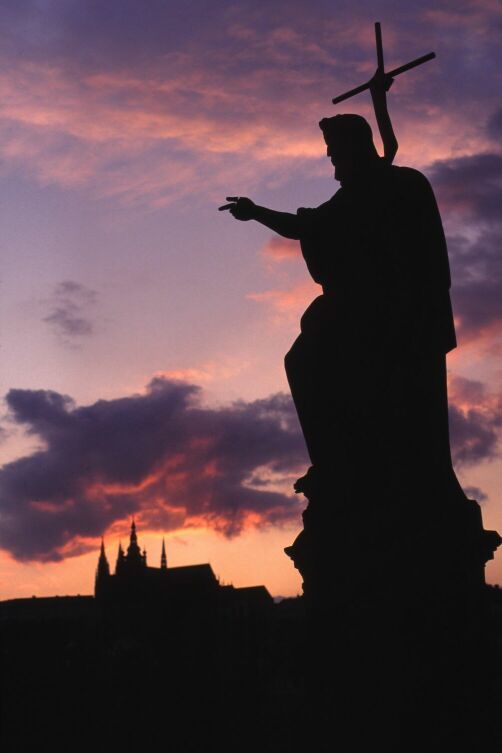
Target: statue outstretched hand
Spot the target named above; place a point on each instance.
(283, 223)
(240, 207)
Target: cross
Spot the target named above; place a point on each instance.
(390, 74)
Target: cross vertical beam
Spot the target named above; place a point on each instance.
(380, 64)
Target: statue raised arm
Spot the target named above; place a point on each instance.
(379, 86)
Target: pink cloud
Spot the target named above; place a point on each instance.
(105, 131)
(149, 132)
(281, 249)
(466, 14)
(218, 370)
(288, 303)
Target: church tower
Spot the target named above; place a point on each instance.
(102, 572)
(135, 561)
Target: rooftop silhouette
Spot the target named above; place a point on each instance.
(174, 588)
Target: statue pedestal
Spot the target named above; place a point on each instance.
(399, 626)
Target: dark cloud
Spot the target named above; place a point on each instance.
(494, 125)
(477, 284)
(474, 492)
(160, 453)
(177, 463)
(470, 186)
(475, 421)
(96, 31)
(469, 191)
(475, 436)
(70, 310)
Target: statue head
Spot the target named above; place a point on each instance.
(349, 142)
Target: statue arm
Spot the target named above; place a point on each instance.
(380, 84)
(302, 226)
(283, 223)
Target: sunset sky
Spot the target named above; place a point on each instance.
(142, 333)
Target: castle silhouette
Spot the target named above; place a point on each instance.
(188, 586)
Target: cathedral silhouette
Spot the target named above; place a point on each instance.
(188, 586)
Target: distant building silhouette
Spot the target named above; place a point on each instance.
(75, 669)
(193, 587)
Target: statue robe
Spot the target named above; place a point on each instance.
(367, 373)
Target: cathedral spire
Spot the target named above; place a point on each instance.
(119, 566)
(102, 571)
(163, 558)
(133, 548)
(133, 538)
(103, 562)
(134, 557)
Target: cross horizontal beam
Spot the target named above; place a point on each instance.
(391, 74)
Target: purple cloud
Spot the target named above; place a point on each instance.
(70, 311)
(494, 125)
(160, 454)
(146, 103)
(469, 191)
(475, 421)
(164, 456)
(470, 186)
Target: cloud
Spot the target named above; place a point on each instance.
(218, 370)
(281, 249)
(150, 135)
(175, 463)
(474, 492)
(466, 13)
(148, 106)
(70, 307)
(475, 421)
(160, 454)
(477, 285)
(470, 186)
(494, 125)
(469, 191)
(287, 304)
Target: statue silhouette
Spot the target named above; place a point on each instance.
(390, 540)
(367, 372)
